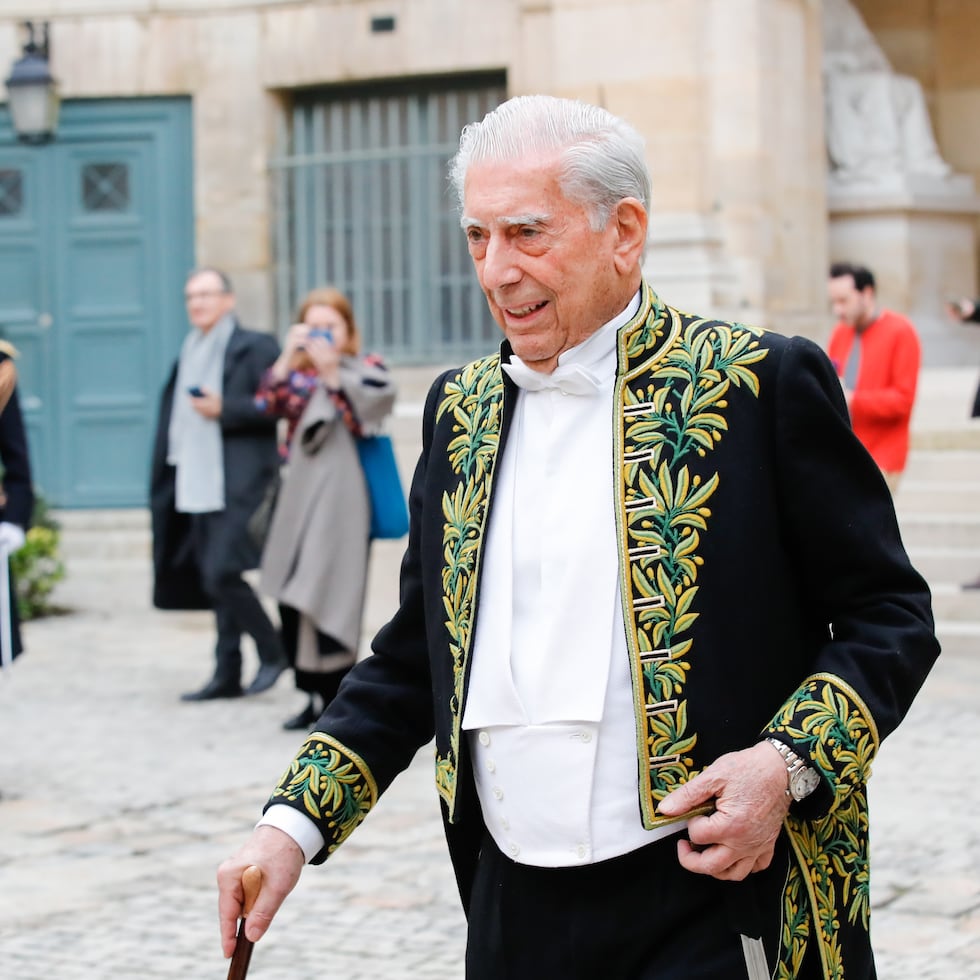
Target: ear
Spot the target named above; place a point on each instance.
(630, 222)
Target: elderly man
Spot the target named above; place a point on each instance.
(655, 611)
(215, 452)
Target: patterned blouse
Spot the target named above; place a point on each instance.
(287, 399)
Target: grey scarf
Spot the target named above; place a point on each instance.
(195, 446)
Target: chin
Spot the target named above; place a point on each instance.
(526, 349)
(536, 360)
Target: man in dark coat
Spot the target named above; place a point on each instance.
(213, 456)
(655, 612)
(16, 495)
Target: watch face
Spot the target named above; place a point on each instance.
(804, 783)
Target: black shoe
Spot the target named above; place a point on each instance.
(214, 689)
(975, 584)
(303, 720)
(267, 676)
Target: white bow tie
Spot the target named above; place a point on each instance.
(569, 379)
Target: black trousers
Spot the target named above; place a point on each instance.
(237, 608)
(636, 917)
(324, 683)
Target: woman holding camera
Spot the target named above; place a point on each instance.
(315, 558)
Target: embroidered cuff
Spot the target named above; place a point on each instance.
(332, 785)
(827, 723)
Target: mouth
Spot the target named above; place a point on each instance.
(522, 312)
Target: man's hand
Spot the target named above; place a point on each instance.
(207, 404)
(961, 309)
(280, 859)
(749, 790)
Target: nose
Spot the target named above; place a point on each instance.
(499, 266)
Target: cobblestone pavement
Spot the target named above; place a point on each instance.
(118, 802)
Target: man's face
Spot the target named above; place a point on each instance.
(550, 280)
(206, 300)
(851, 305)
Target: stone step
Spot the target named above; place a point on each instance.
(941, 418)
(957, 642)
(952, 604)
(961, 437)
(951, 466)
(104, 534)
(940, 530)
(117, 518)
(946, 565)
(960, 496)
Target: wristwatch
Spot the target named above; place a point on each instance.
(803, 779)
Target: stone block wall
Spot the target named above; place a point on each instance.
(727, 93)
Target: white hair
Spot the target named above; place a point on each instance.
(602, 157)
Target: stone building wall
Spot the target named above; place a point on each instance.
(727, 93)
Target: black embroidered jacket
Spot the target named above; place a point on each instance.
(764, 582)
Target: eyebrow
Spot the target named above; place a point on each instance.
(508, 221)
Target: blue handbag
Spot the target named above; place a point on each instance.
(389, 512)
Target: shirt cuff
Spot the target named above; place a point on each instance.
(296, 825)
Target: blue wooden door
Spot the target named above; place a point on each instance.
(96, 235)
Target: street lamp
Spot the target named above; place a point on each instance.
(32, 91)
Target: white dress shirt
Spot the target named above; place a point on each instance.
(549, 712)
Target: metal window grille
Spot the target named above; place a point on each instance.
(362, 202)
(105, 187)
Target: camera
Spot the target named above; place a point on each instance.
(322, 332)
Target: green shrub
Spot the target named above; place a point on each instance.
(37, 567)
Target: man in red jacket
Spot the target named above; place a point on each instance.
(877, 355)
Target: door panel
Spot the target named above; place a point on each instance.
(90, 285)
(104, 303)
(25, 263)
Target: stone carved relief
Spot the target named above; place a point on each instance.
(877, 123)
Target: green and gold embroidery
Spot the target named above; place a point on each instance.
(333, 783)
(671, 418)
(828, 720)
(795, 926)
(473, 400)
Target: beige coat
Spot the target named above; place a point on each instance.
(316, 555)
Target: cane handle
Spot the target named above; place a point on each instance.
(251, 883)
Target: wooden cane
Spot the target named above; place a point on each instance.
(251, 883)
